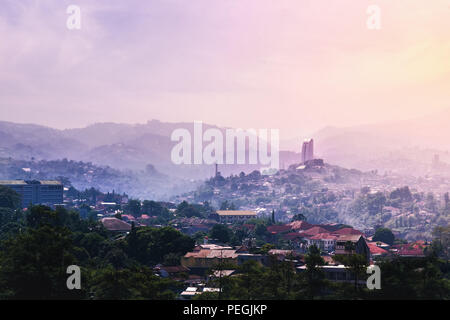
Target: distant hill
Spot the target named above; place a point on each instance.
(144, 184)
(121, 146)
(25, 141)
(404, 147)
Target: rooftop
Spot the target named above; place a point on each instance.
(236, 213)
(314, 231)
(323, 236)
(212, 253)
(375, 249)
(278, 228)
(25, 182)
(349, 237)
(347, 231)
(114, 224)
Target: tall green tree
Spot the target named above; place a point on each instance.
(130, 283)
(221, 232)
(133, 207)
(9, 198)
(150, 245)
(384, 235)
(152, 208)
(314, 276)
(250, 285)
(356, 263)
(34, 263)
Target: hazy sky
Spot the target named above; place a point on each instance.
(296, 65)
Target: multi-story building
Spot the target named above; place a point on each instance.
(308, 150)
(232, 216)
(352, 244)
(199, 261)
(324, 241)
(336, 273)
(33, 192)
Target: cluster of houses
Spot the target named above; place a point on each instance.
(329, 238)
(332, 239)
(186, 225)
(335, 239)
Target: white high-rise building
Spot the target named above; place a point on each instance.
(307, 150)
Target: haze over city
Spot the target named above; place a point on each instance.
(230, 150)
(294, 65)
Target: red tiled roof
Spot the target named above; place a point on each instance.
(410, 252)
(314, 231)
(278, 229)
(376, 250)
(292, 236)
(408, 246)
(410, 249)
(347, 231)
(330, 227)
(323, 236)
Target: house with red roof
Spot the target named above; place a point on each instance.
(348, 231)
(412, 250)
(324, 241)
(376, 251)
(352, 244)
(314, 231)
(293, 236)
(331, 227)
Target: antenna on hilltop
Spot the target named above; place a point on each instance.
(217, 173)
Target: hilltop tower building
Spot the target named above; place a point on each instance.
(308, 150)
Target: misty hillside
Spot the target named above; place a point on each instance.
(24, 141)
(143, 184)
(120, 146)
(405, 147)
